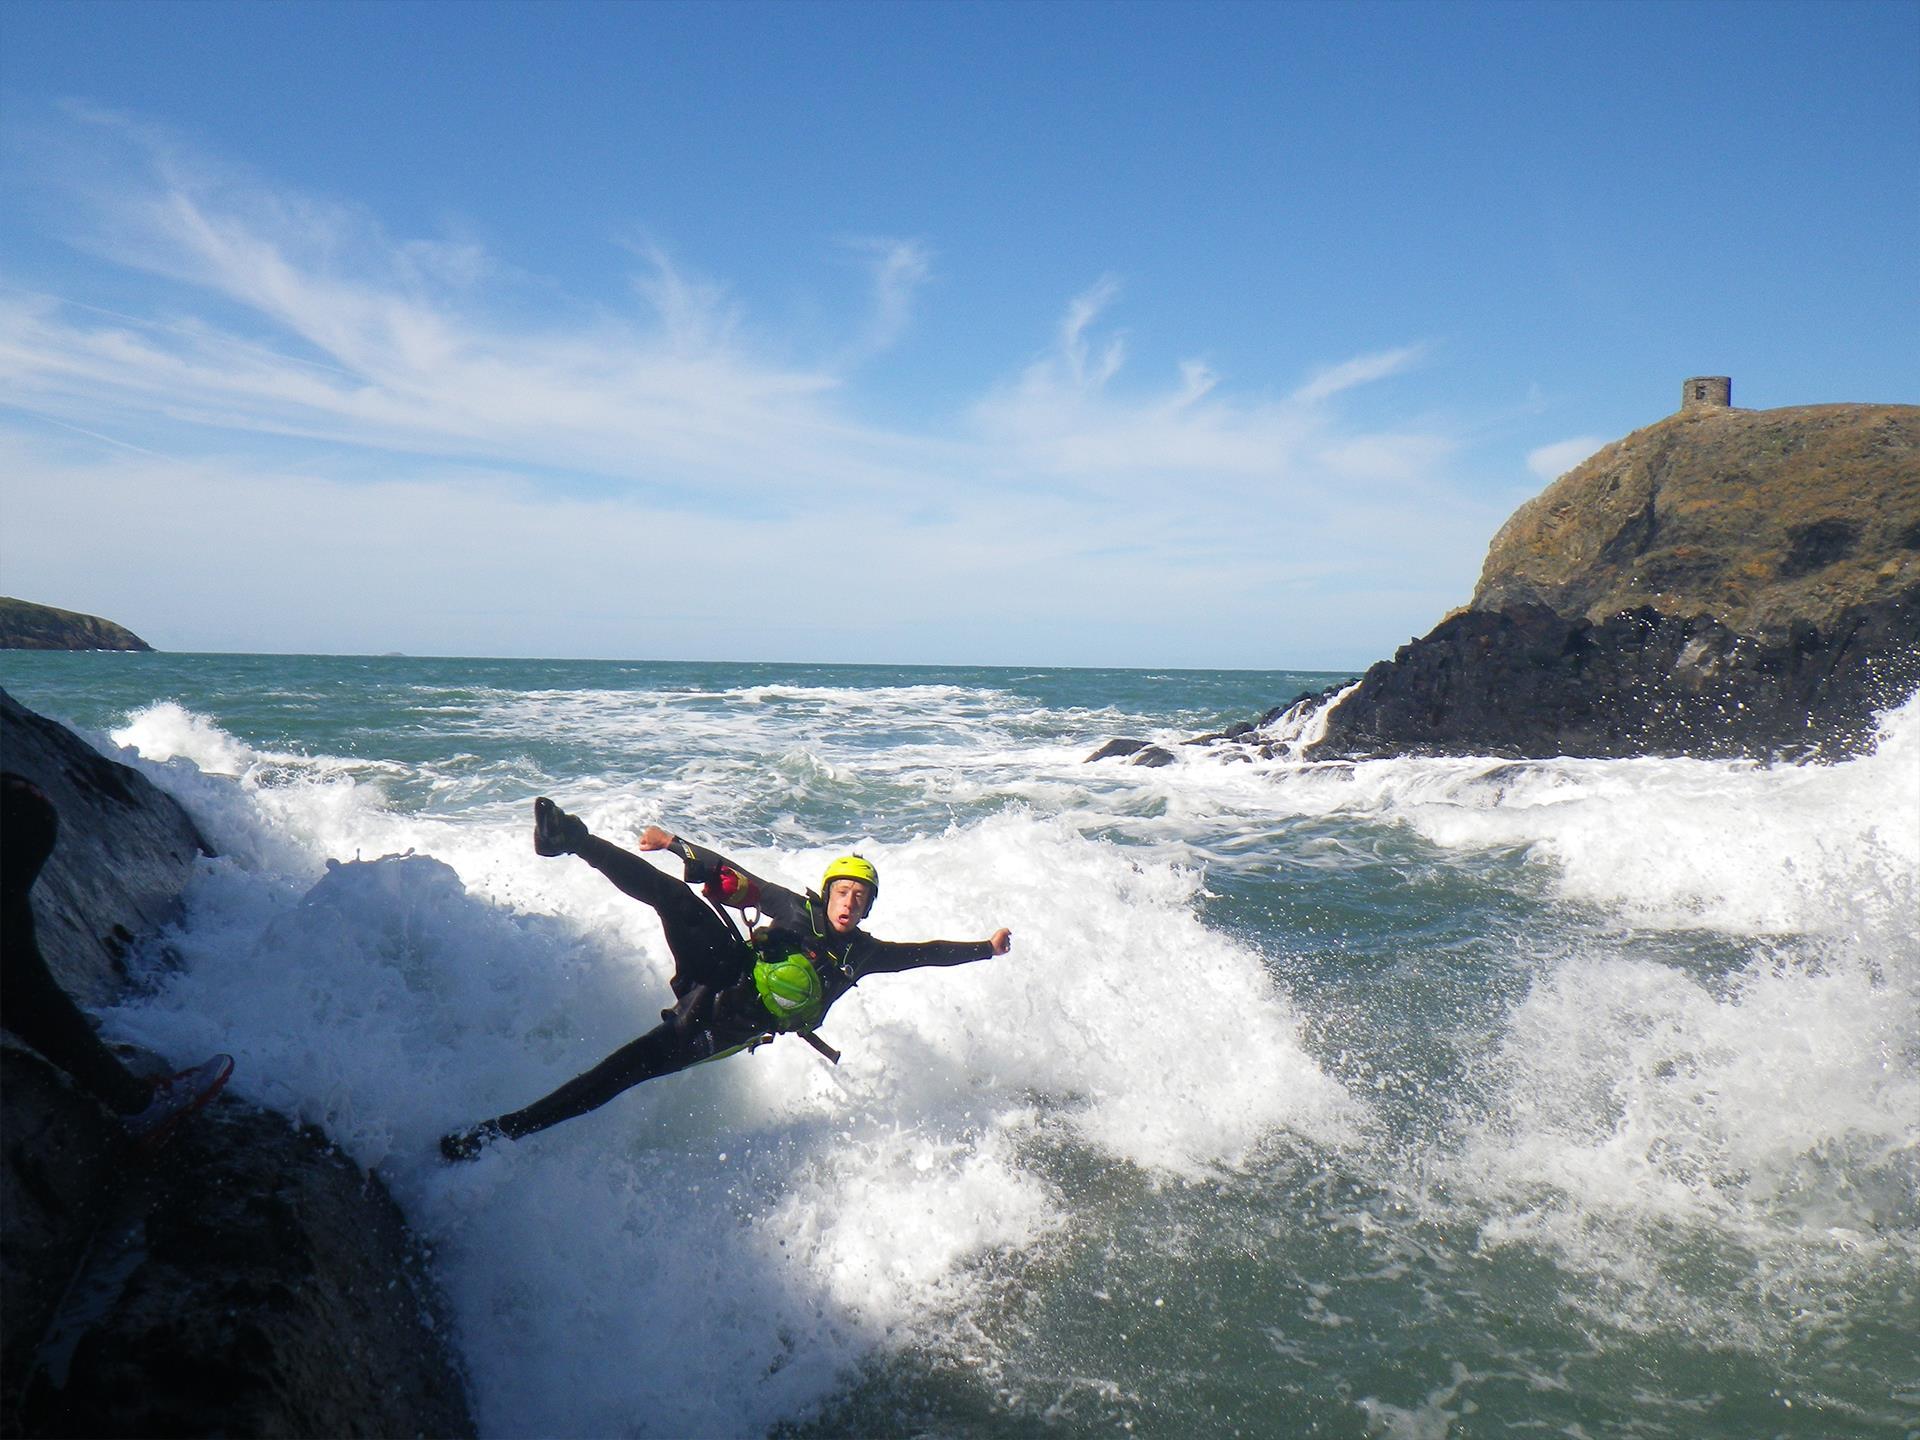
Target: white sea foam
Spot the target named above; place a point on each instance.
(1633, 1106)
(1695, 844)
(711, 1252)
(280, 811)
(169, 731)
(1304, 725)
(1632, 1100)
(1732, 847)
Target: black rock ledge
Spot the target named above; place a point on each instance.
(249, 1279)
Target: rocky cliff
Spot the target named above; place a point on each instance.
(125, 853)
(1725, 582)
(249, 1279)
(1760, 520)
(27, 626)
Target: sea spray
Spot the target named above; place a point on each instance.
(387, 1002)
(1313, 1096)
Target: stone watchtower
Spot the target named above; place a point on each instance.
(1707, 392)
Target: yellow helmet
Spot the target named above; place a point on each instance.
(851, 867)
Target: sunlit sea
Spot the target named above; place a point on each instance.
(1415, 1098)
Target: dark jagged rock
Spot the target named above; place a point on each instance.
(27, 626)
(252, 1280)
(1134, 752)
(125, 851)
(1722, 583)
(1238, 743)
(1528, 682)
(62, 1154)
(1232, 732)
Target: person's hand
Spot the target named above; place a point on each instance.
(654, 838)
(1001, 940)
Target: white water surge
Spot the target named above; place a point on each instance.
(710, 1251)
(1695, 1085)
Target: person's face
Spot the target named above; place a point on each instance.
(848, 902)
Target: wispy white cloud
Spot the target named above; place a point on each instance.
(1361, 370)
(219, 552)
(1196, 380)
(1550, 462)
(898, 269)
(696, 316)
(1410, 458)
(1083, 371)
(334, 331)
(315, 381)
(1068, 417)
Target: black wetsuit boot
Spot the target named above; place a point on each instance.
(555, 832)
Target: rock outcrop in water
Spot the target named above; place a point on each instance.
(1722, 583)
(247, 1280)
(27, 626)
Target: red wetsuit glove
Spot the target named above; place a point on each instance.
(730, 887)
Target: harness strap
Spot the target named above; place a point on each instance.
(725, 919)
(831, 1055)
(817, 1043)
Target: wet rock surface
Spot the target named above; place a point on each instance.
(125, 852)
(1134, 752)
(61, 1162)
(1529, 682)
(247, 1279)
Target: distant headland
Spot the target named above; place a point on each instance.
(27, 626)
(1724, 582)
(1721, 583)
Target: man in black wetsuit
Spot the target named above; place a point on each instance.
(729, 995)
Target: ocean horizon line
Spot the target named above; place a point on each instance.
(933, 665)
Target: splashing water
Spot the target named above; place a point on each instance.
(1414, 1097)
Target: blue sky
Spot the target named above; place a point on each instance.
(1165, 334)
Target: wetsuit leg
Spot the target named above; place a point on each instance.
(32, 1004)
(706, 950)
(661, 1051)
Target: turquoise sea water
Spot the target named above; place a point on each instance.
(1413, 1098)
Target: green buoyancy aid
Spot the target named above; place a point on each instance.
(790, 987)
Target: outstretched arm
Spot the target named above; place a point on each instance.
(886, 957)
(728, 882)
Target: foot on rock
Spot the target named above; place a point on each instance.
(175, 1098)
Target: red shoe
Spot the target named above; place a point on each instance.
(175, 1098)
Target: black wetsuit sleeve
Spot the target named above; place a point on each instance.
(776, 902)
(887, 957)
(701, 863)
